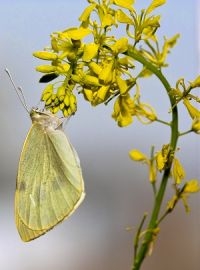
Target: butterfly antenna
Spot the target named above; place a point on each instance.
(18, 90)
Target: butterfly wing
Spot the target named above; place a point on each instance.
(49, 184)
(26, 233)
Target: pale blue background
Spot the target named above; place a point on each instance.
(94, 238)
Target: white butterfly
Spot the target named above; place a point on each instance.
(49, 185)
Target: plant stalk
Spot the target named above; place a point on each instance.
(150, 231)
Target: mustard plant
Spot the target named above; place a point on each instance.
(92, 60)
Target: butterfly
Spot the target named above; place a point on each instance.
(50, 184)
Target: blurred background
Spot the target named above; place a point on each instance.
(95, 236)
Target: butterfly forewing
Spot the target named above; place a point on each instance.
(49, 183)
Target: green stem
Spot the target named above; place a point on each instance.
(143, 250)
(137, 237)
(185, 132)
(152, 224)
(163, 122)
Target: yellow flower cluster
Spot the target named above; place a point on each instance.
(156, 55)
(126, 107)
(191, 186)
(183, 93)
(63, 100)
(101, 69)
(158, 162)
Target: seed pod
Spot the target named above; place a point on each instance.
(65, 112)
(62, 105)
(66, 100)
(53, 97)
(46, 68)
(48, 89)
(69, 111)
(46, 96)
(48, 102)
(61, 93)
(72, 102)
(45, 55)
(56, 109)
(56, 101)
(47, 92)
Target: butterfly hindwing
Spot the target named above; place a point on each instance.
(26, 233)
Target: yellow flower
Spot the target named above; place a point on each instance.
(196, 125)
(90, 51)
(152, 171)
(86, 13)
(195, 83)
(159, 57)
(126, 62)
(76, 33)
(122, 85)
(120, 46)
(107, 20)
(101, 95)
(124, 3)
(95, 67)
(63, 45)
(192, 186)
(194, 112)
(106, 74)
(136, 155)
(171, 203)
(101, 69)
(160, 161)
(154, 4)
(88, 94)
(123, 17)
(123, 110)
(162, 157)
(178, 171)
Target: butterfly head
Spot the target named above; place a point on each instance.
(45, 119)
